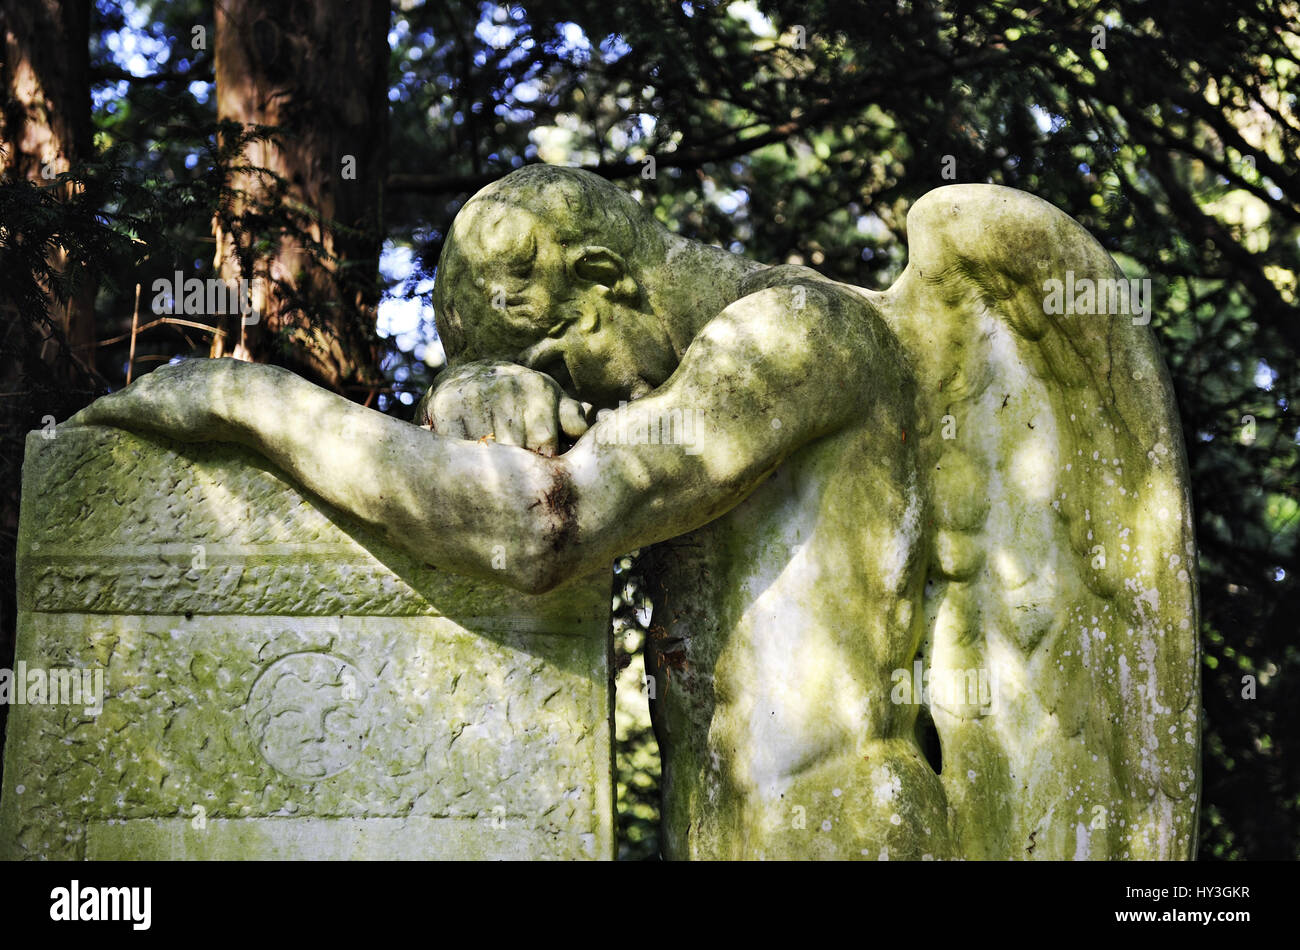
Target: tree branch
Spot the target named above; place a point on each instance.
(422, 183)
(201, 72)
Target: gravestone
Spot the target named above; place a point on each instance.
(279, 682)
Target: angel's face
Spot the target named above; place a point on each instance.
(573, 312)
(600, 342)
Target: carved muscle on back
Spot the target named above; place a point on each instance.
(1063, 560)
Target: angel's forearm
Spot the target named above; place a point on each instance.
(474, 508)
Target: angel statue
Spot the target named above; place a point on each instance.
(922, 559)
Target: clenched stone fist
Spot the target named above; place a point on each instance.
(512, 404)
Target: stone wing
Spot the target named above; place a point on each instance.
(1061, 612)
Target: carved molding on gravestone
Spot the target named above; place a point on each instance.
(279, 682)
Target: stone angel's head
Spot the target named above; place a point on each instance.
(546, 267)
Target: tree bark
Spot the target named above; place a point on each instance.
(317, 72)
(45, 128)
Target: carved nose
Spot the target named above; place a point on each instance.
(541, 354)
(547, 357)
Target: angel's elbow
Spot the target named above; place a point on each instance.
(548, 553)
(536, 582)
(540, 571)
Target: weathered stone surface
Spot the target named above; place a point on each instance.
(924, 572)
(280, 683)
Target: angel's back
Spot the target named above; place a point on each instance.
(1002, 547)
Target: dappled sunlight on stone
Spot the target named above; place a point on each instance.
(921, 571)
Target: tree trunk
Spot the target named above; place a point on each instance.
(45, 128)
(317, 72)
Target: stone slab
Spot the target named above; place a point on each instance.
(279, 682)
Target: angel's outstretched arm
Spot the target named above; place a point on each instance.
(762, 379)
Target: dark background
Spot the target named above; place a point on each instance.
(143, 138)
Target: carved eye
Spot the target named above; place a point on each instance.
(599, 266)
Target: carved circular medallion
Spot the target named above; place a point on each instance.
(309, 716)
